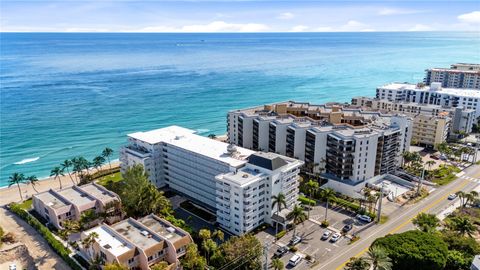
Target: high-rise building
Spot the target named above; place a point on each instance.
(346, 144)
(457, 76)
(233, 182)
(434, 94)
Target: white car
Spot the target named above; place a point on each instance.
(12, 267)
(335, 237)
(294, 260)
(326, 235)
(452, 196)
(364, 218)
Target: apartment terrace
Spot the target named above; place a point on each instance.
(109, 240)
(166, 230)
(137, 234)
(51, 199)
(76, 196)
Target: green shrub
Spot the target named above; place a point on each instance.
(325, 224)
(59, 248)
(281, 234)
(306, 201)
(308, 257)
(293, 249)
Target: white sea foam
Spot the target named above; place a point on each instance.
(26, 160)
(202, 131)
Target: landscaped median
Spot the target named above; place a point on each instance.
(352, 206)
(56, 245)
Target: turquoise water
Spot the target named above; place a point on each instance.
(64, 95)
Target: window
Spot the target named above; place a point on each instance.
(131, 260)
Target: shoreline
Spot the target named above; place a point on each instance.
(10, 194)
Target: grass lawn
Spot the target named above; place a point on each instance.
(26, 205)
(445, 174)
(115, 177)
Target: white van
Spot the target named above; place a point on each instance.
(294, 260)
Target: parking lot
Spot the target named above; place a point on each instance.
(311, 233)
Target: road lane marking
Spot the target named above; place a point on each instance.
(426, 208)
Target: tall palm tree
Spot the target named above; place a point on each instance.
(298, 216)
(462, 196)
(281, 202)
(66, 167)
(33, 180)
(378, 258)
(462, 225)
(88, 241)
(327, 194)
(277, 264)
(470, 197)
(56, 173)
(312, 188)
(17, 179)
(106, 153)
(98, 162)
(426, 222)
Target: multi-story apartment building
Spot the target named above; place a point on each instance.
(347, 144)
(430, 130)
(138, 244)
(461, 119)
(70, 203)
(190, 164)
(243, 197)
(183, 161)
(434, 94)
(457, 76)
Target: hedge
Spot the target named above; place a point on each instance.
(352, 206)
(306, 200)
(59, 248)
(281, 234)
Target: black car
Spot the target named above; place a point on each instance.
(347, 228)
(281, 251)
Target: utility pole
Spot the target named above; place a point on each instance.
(421, 181)
(265, 253)
(379, 212)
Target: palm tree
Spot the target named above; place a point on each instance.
(17, 179)
(281, 202)
(66, 167)
(33, 180)
(98, 162)
(357, 264)
(426, 222)
(462, 225)
(379, 258)
(312, 187)
(463, 199)
(106, 153)
(298, 216)
(470, 197)
(277, 264)
(56, 173)
(88, 241)
(327, 195)
(209, 246)
(219, 235)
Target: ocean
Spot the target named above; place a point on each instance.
(69, 94)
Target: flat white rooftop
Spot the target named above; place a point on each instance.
(450, 91)
(110, 241)
(188, 140)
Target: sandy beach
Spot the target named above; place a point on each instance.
(8, 195)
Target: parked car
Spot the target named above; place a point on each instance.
(443, 157)
(12, 267)
(452, 196)
(347, 228)
(335, 237)
(326, 235)
(364, 218)
(280, 252)
(294, 260)
(295, 240)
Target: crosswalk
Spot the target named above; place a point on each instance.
(476, 180)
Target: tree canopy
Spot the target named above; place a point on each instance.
(415, 250)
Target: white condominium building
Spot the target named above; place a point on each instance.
(194, 165)
(348, 144)
(178, 158)
(433, 94)
(461, 119)
(243, 197)
(457, 76)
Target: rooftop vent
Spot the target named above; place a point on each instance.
(107, 246)
(245, 175)
(171, 229)
(145, 233)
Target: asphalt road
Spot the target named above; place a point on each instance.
(434, 203)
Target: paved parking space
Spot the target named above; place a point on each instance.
(311, 233)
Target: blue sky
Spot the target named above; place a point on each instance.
(238, 16)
